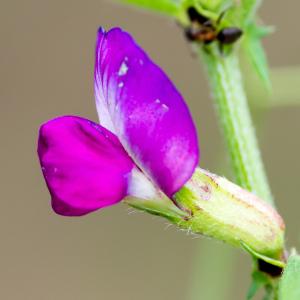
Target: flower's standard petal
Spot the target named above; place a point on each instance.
(137, 101)
(84, 165)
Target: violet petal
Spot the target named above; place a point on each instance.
(84, 165)
(138, 102)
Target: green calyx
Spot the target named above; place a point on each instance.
(223, 210)
(213, 206)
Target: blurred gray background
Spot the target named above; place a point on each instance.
(46, 70)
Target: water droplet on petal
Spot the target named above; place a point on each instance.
(165, 107)
(123, 69)
(157, 101)
(121, 84)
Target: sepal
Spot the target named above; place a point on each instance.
(225, 211)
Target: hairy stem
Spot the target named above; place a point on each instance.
(235, 119)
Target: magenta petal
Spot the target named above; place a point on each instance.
(84, 165)
(137, 101)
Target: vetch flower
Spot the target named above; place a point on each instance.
(145, 152)
(146, 140)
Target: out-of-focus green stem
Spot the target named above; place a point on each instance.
(249, 9)
(235, 120)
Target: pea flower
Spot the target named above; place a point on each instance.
(146, 141)
(145, 152)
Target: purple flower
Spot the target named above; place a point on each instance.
(146, 131)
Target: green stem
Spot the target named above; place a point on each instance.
(235, 119)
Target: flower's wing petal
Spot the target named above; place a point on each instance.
(137, 101)
(84, 165)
